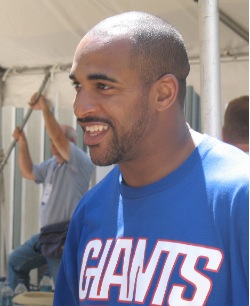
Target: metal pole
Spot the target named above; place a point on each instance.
(2, 238)
(234, 26)
(46, 78)
(210, 67)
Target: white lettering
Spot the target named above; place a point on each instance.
(118, 266)
(88, 273)
(121, 254)
(201, 282)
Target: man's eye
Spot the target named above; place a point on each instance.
(103, 86)
(76, 85)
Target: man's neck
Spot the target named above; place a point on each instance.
(160, 162)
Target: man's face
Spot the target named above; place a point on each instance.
(111, 101)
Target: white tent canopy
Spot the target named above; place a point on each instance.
(41, 33)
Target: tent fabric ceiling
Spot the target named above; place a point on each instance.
(43, 32)
(35, 34)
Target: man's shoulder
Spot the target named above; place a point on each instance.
(226, 154)
(225, 164)
(105, 187)
(100, 194)
(110, 181)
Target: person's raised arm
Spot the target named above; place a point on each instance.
(24, 160)
(53, 128)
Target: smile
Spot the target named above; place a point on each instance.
(96, 128)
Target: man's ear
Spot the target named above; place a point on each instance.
(167, 89)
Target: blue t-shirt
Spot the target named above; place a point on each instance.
(182, 240)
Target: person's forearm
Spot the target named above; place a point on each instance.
(56, 133)
(24, 159)
(52, 126)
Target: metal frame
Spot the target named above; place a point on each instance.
(210, 67)
(17, 203)
(234, 26)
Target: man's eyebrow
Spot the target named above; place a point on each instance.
(99, 76)
(95, 76)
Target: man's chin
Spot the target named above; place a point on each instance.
(100, 160)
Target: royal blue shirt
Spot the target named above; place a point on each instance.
(182, 240)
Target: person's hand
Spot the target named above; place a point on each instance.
(40, 104)
(17, 134)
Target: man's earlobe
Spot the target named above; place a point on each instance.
(167, 89)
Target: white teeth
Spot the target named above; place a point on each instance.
(96, 128)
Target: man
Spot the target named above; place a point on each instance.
(235, 130)
(168, 225)
(65, 178)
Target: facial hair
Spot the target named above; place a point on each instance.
(121, 147)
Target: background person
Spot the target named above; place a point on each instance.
(65, 178)
(169, 224)
(235, 130)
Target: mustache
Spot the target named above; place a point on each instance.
(94, 119)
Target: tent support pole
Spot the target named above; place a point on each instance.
(45, 80)
(210, 67)
(2, 242)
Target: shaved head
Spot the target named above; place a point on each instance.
(157, 48)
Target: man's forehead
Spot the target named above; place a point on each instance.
(90, 42)
(99, 50)
(94, 57)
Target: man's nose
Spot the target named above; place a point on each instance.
(84, 105)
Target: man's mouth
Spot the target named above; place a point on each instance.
(96, 128)
(94, 133)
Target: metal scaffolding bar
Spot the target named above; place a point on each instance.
(46, 78)
(210, 67)
(235, 27)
